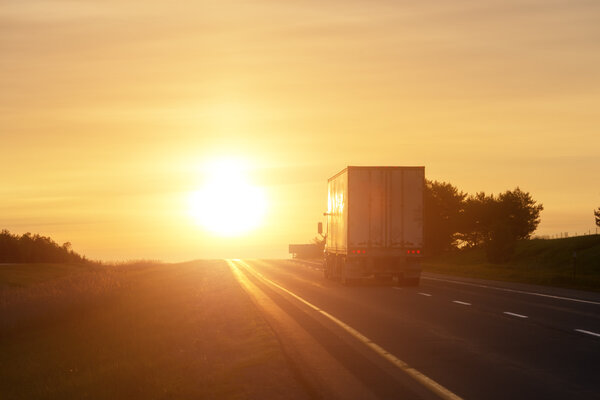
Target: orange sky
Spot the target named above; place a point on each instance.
(109, 109)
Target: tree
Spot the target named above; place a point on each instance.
(498, 223)
(443, 207)
(30, 248)
(520, 212)
(597, 215)
(9, 247)
(476, 220)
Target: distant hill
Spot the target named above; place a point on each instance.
(29, 248)
(569, 262)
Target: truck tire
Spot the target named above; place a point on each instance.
(345, 281)
(327, 267)
(337, 267)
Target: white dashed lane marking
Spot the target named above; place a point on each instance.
(512, 290)
(515, 314)
(464, 303)
(588, 332)
(461, 302)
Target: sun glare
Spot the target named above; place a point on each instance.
(228, 204)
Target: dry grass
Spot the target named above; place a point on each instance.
(143, 331)
(20, 275)
(537, 261)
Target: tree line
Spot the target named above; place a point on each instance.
(454, 219)
(29, 248)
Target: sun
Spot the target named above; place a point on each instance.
(228, 204)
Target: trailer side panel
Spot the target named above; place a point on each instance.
(337, 213)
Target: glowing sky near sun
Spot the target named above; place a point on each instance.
(227, 203)
(110, 109)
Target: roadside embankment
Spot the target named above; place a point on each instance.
(569, 262)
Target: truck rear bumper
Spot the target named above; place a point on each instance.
(382, 267)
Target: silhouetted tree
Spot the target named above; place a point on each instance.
(9, 247)
(498, 223)
(521, 211)
(443, 208)
(30, 248)
(476, 220)
(597, 215)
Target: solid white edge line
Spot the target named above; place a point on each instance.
(461, 302)
(418, 376)
(515, 314)
(512, 290)
(588, 332)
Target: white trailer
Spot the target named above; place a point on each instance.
(375, 224)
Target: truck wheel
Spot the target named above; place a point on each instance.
(327, 268)
(345, 281)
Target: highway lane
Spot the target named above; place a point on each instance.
(551, 311)
(477, 341)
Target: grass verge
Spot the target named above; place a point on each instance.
(148, 331)
(570, 262)
(21, 275)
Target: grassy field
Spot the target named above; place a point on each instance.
(28, 274)
(144, 331)
(538, 261)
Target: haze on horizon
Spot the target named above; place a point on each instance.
(110, 111)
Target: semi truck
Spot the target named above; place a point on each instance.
(374, 224)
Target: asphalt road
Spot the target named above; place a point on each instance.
(473, 339)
